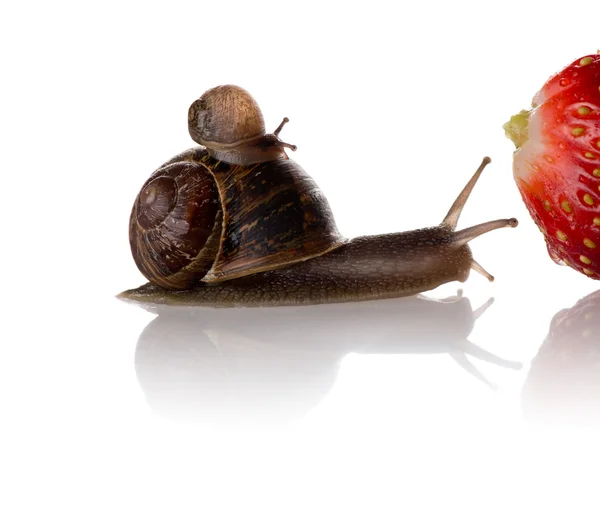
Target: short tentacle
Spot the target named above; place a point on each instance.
(478, 268)
(280, 126)
(464, 236)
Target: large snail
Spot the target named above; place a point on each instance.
(235, 222)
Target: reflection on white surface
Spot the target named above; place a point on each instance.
(279, 363)
(563, 384)
(266, 364)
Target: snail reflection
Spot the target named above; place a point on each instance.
(563, 384)
(278, 363)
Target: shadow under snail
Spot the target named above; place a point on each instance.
(235, 222)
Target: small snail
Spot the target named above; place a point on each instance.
(229, 123)
(235, 222)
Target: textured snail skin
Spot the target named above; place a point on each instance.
(370, 267)
(365, 268)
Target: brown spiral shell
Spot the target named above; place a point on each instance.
(225, 114)
(200, 219)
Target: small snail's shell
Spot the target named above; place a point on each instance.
(225, 115)
(199, 219)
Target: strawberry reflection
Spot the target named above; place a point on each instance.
(563, 384)
(264, 363)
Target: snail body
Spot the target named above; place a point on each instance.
(243, 225)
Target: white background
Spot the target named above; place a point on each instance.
(307, 411)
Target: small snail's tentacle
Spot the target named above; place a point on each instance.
(478, 268)
(280, 127)
(451, 219)
(282, 143)
(288, 146)
(464, 236)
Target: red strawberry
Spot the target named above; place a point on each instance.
(557, 163)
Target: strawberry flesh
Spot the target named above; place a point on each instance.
(556, 164)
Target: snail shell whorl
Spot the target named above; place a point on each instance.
(261, 217)
(172, 225)
(225, 115)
